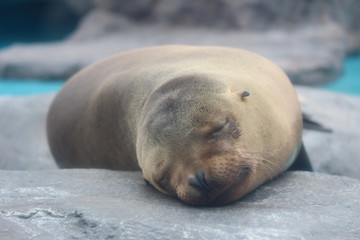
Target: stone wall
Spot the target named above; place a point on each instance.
(243, 15)
(248, 15)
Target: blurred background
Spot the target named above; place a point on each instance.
(316, 42)
(44, 42)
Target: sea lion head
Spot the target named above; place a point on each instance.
(209, 143)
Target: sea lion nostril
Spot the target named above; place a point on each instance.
(194, 182)
(200, 176)
(199, 181)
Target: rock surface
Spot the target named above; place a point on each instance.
(237, 19)
(258, 15)
(311, 55)
(338, 152)
(98, 23)
(103, 204)
(23, 143)
(248, 15)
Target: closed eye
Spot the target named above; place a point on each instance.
(219, 127)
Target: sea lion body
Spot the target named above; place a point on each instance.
(206, 124)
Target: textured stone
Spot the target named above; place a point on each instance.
(103, 204)
(338, 152)
(310, 55)
(23, 143)
(98, 23)
(132, 9)
(248, 15)
(257, 15)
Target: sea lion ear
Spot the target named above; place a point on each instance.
(244, 94)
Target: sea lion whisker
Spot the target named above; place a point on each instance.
(264, 160)
(189, 131)
(261, 163)
(269, 167)
(259, 153)
(266, 168)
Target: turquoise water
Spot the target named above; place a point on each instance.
(26, 86)
(21, 87)
(349, 82)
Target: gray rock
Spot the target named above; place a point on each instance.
(257, 15)
(79, 7)
(195, 13)
(103, 204)
(338, 152)
(252, 15)
(310, 55)
(139, 10)
(98, 23)
(23, 143)
(248, 15)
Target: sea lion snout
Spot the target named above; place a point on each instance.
(200, 182)
(203, 189)
(221, 180)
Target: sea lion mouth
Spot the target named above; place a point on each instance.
(209, 180)
(213, 192)
(235, 190)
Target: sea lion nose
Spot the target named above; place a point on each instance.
(199, 181)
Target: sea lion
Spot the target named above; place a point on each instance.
(205, 124)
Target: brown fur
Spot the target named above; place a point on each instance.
(174, 110)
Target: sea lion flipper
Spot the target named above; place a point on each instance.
(310, 124)
(302, 161)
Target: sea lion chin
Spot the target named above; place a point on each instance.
(204, 124)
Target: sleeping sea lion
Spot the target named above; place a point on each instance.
(205, 124)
